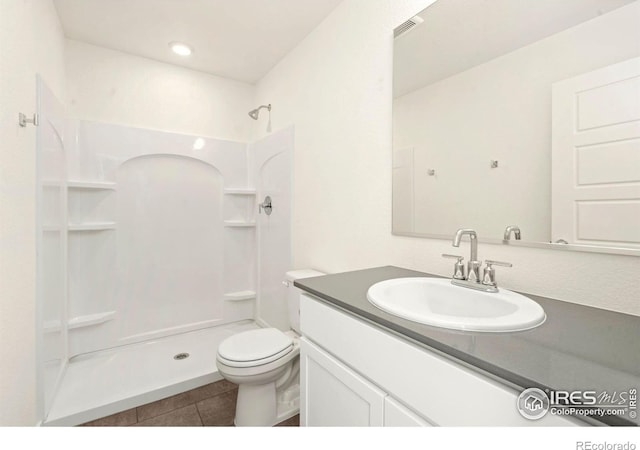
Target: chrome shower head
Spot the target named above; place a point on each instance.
(255, 112)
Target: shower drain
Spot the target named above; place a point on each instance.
(180, 356)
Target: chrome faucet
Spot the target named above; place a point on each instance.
(473, 266)
(472, 279)
(515, 229)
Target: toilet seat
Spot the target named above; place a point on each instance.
(254, 348)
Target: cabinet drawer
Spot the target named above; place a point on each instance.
(436, 387)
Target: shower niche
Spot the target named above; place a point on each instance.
(240, 237)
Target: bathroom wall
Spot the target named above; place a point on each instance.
(336, 87)
(114, 87)
(31, 42)
(424, 119)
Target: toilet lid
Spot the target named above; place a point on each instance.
(255, 347)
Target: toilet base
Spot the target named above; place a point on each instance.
(263, 406)
(256, 405)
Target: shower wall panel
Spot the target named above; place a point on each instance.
(271, 166)
(51, 241)
(169, 243)
(161, 240)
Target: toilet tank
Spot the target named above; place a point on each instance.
(293, 294)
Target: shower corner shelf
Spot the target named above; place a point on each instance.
(239, 296)
(240, 191)
(96, 226)
(91, 319)
(239, 224)
(77, 184)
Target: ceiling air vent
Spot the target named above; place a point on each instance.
(406, 26)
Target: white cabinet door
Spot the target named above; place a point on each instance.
(334, 395)
(596, 157)
(398, 415)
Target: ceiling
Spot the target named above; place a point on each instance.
(237, 39)
(457, 35)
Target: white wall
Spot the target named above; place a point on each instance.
(336, 88)
(31, 41)
(504, 107)
(109, 86)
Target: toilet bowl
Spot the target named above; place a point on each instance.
(261, 362)
(264, 364)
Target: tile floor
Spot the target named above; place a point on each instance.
(210, 406)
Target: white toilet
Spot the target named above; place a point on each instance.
(265, 365)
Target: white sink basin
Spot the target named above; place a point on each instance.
(435, 301)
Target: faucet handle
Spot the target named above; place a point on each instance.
(458, 268)
(497, 263)
(489, 274)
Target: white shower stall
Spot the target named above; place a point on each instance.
(150, 247)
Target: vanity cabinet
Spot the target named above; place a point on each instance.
(354, 373)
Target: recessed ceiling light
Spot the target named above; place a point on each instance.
(180, 49)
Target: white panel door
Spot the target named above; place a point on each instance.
(333, 395)
(596, 157)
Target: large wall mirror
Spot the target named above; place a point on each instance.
(521, 114)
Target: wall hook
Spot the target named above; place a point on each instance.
(23, 121)
(494, 164)
(431, 172)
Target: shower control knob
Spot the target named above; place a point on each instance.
(266, 206)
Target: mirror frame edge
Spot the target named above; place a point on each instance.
(540, 245)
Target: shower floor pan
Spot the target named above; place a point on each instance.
(102, 383)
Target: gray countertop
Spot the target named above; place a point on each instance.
(576, 348)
